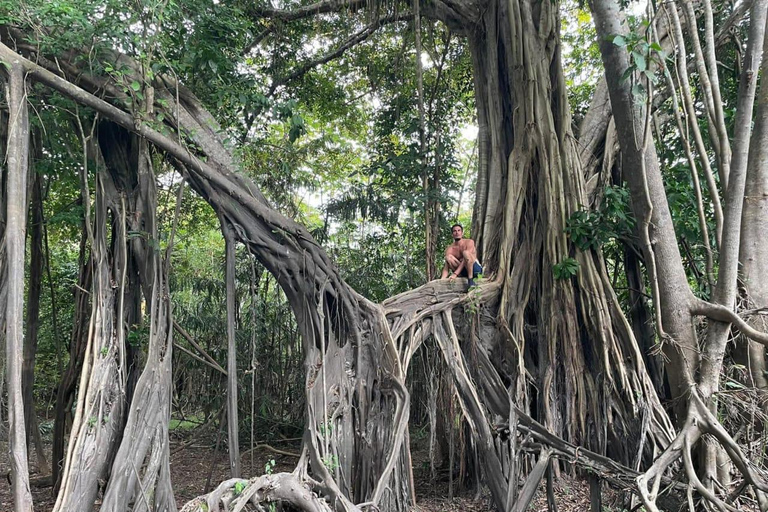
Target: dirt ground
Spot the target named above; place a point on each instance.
(192, 467)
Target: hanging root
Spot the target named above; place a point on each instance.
(235, 494)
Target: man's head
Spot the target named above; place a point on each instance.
(457, 231)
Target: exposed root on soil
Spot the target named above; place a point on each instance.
(235, 494)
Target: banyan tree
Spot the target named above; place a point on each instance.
(543, 366)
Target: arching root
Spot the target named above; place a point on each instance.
(233, 495)
(699, 421)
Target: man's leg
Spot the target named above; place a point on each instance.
(475, 270)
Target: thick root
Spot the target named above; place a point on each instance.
(234, 494)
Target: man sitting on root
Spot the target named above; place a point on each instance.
(461, 258)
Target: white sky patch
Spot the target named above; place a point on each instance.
(469, 131)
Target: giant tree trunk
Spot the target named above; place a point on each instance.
(101, 400)
(140, 473)
(569, 334)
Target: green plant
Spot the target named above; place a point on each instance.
(591, 229)
(565, 269)
(239, 488)
(331, 462)
(269, 466)
(644, 57)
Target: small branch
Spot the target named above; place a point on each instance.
(211, 361)
(198, 358)
(272, 449)
(307, 11)
(355, 39)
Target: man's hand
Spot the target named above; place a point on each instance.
(452, 276)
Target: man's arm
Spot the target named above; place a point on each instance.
(457, 270)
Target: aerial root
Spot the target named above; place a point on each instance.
(234, 494)
(700, 421)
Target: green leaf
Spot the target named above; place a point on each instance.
(135, 85)
(639, 61)
(620, 41)
(566, 269)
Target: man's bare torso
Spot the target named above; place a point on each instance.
(457, 250)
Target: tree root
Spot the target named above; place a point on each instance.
(699, 421)
(234, 494)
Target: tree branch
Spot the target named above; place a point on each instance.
(723, 314)
(355, 39)
(308, 10)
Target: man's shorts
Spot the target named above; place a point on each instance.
(476, 271)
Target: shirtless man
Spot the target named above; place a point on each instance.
(457, 256)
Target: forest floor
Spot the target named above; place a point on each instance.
(196, 466)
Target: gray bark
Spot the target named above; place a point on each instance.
(649, 203)
(726, 290)
(232, 425)
(753, 251)
(100, 404)
(15, 235)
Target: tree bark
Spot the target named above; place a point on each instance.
(753, 251)
(649, 204)
(568, 333)
(3, 255)
(140, 473)
(101, 401)
(232, 426)
(77, 345)
(15, 229)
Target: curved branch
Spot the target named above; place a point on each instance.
(723, 314)
(693, 478)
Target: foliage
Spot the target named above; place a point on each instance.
(591, 229)
(566, 269)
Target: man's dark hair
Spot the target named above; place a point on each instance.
(462, 227)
